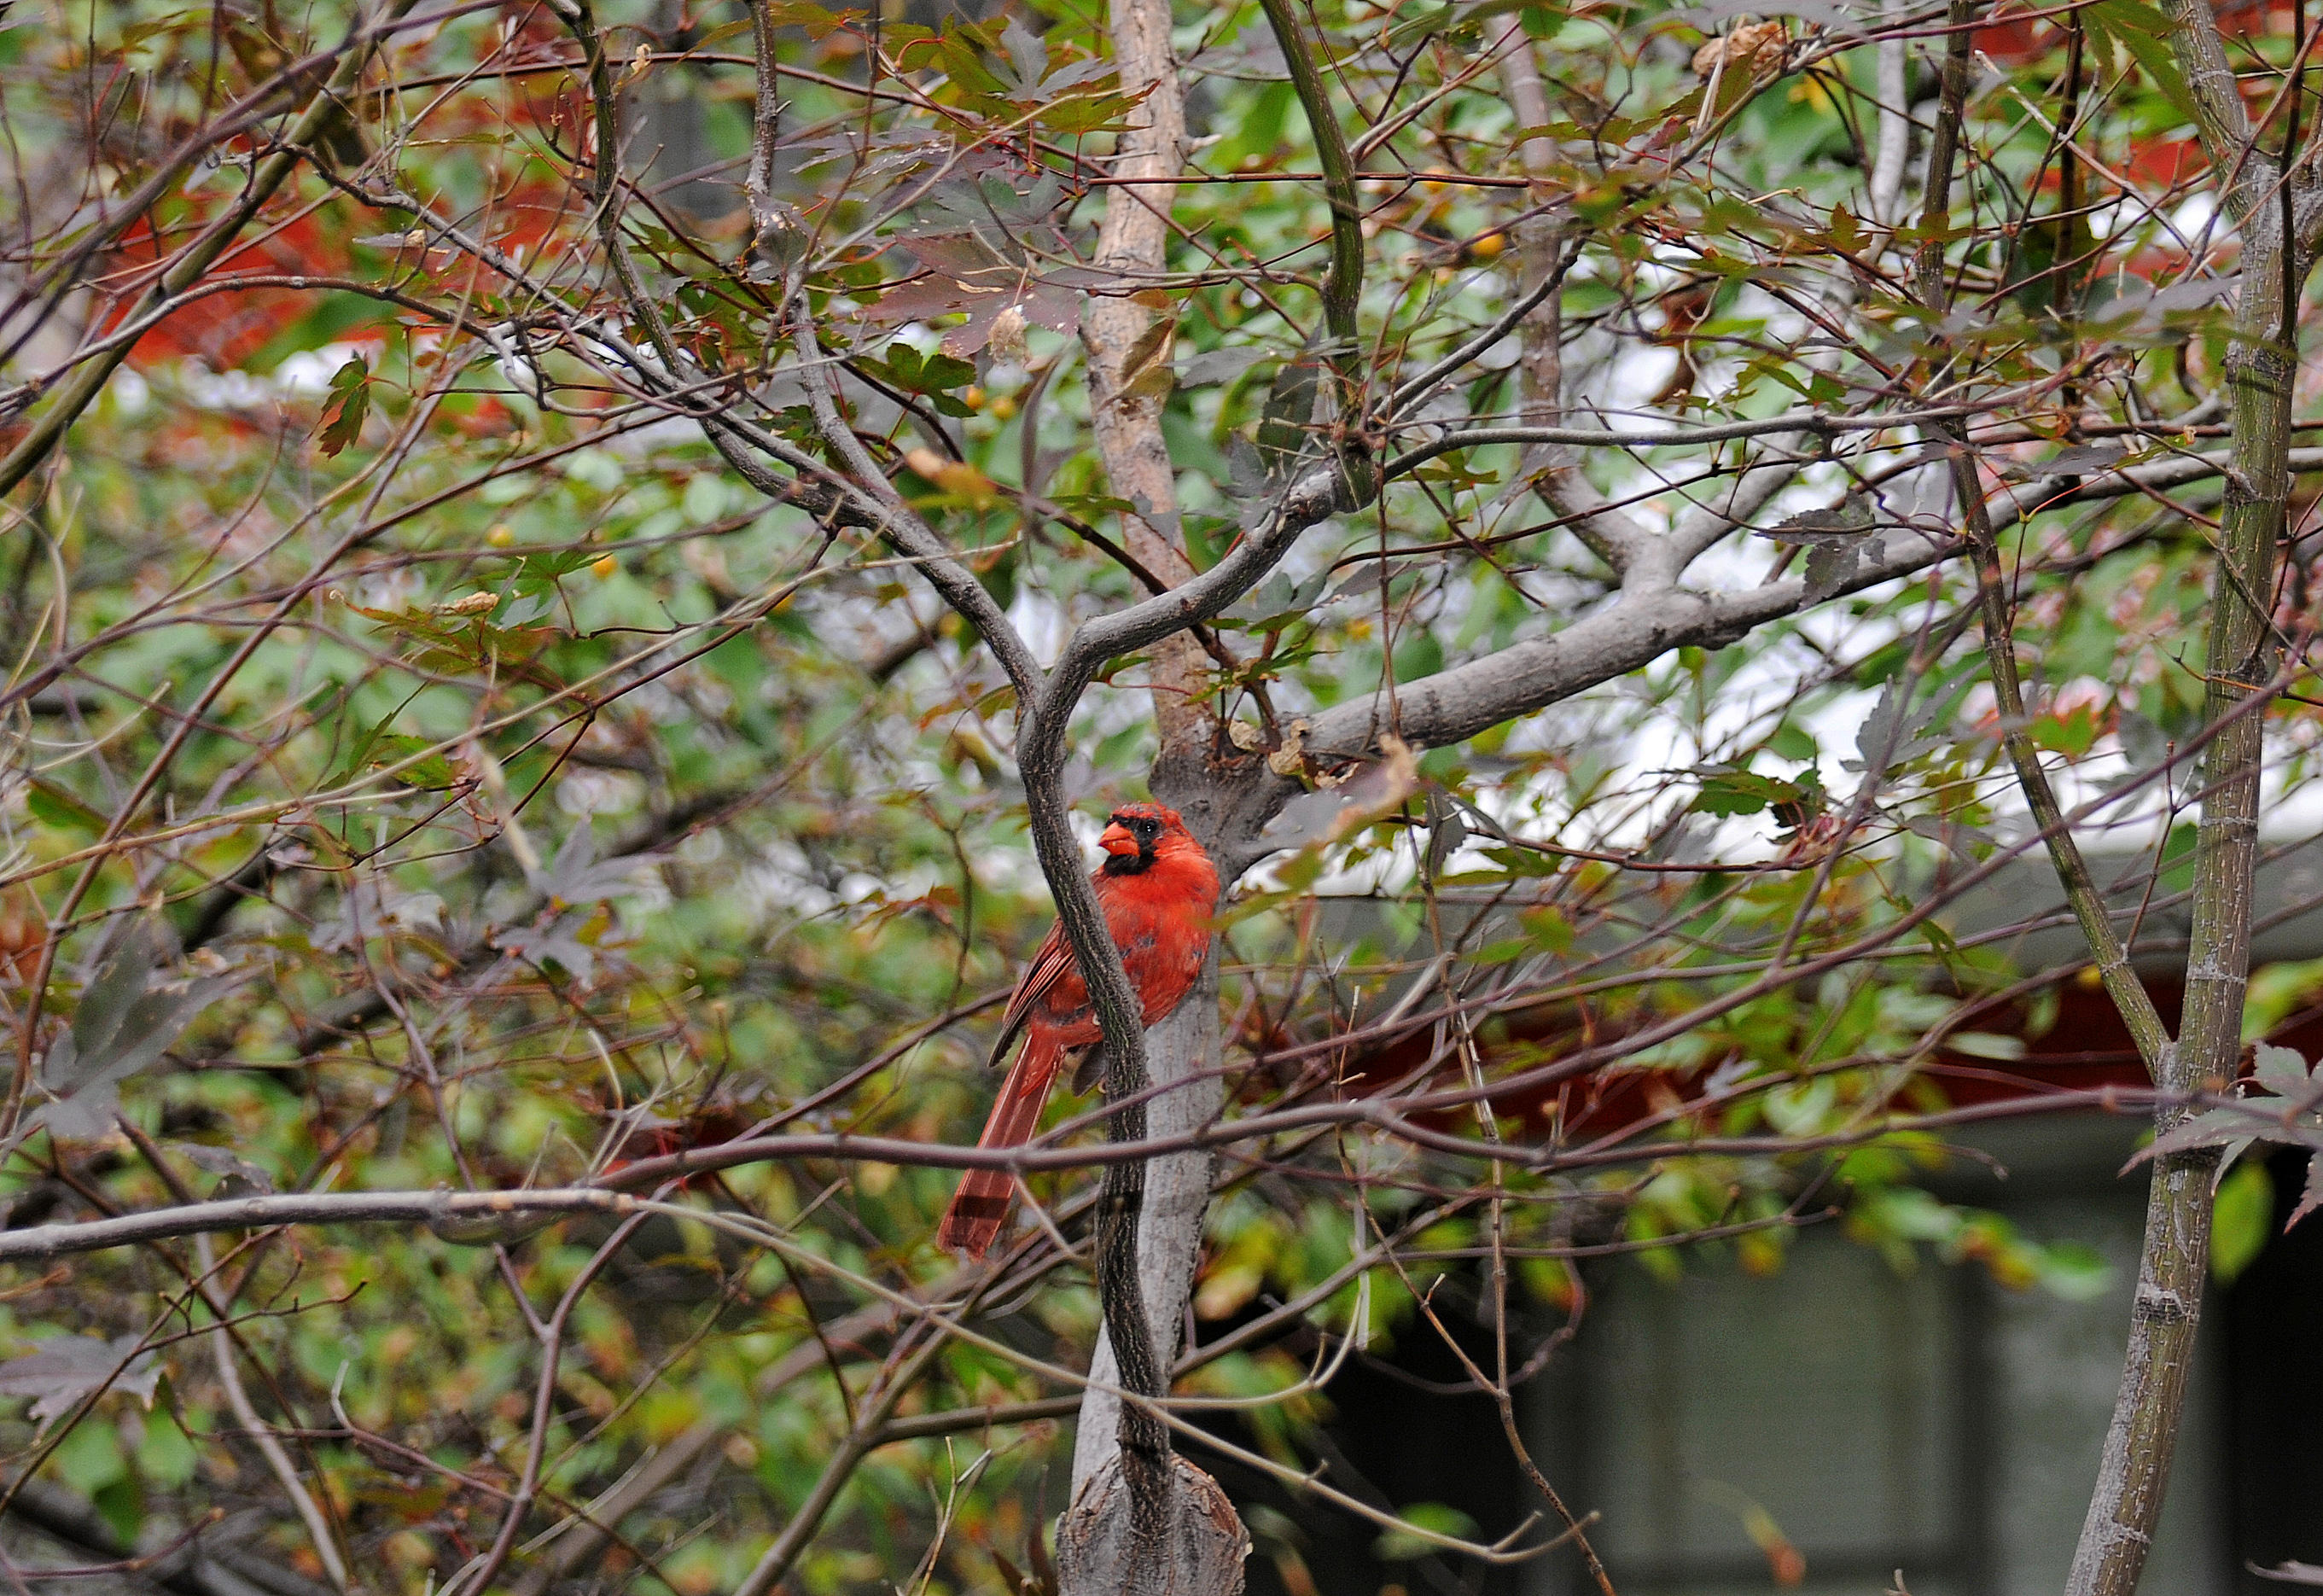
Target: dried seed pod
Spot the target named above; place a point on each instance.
(1007, 339)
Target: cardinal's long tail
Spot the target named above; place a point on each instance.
(973, 1221)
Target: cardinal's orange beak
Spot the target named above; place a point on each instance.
(1117, 840)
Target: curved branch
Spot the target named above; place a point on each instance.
(1342, 285)
(1636, 629)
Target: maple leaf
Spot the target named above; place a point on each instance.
(344, 411)
(59, 1372)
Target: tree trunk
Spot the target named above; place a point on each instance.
(1183, 1048)
(2274, 214)
(1205, 1545)
(2133, 1470)
(1100, 1547)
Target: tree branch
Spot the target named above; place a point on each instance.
(2128, 993)
(327, 106)
(2173, 1262)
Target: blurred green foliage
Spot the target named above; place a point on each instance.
(540, 797)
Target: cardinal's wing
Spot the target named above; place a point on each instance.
(1050, 962)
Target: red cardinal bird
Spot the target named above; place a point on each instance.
(1157, 888)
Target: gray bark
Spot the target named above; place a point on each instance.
(2276, 221)
(2173, 1266)
(1183, 1048)
(1202, 1554)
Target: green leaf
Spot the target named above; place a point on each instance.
(165, 1456)
(2144, 32)
(360, 759)
(2241, 1216)
(1547, 926)
(1792, 742)
(812, 18)
(1845, 234)
(1400, 1545)
(2277, 992)
(2074, 1272)
(1800, 1107)
(89, 1458)
(940, 372)
(53, 805)
(2070, 734)
(1729, 790)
